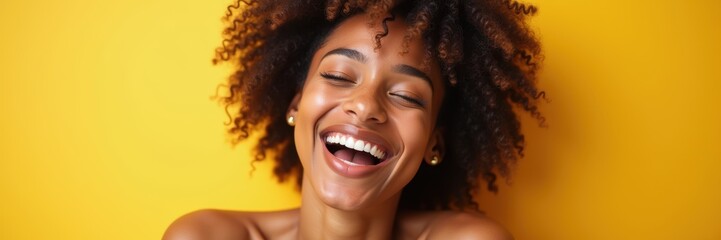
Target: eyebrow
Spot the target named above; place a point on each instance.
(408, 70)
(400, 68)
(350, 53)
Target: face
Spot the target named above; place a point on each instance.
(365, 118)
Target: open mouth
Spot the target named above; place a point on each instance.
(355, 151)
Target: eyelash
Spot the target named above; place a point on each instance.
(409, 99)
(336, 77)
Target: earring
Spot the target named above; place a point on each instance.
(291, 121)
(434, 161)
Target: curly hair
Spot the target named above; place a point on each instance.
(488, 57)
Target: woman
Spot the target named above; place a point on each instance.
(389, 112)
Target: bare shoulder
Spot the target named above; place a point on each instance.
(464, 225)
(224, 224)
(450, 225)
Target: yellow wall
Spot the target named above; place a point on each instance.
(107, 130)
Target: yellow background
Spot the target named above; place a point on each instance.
(107, 130)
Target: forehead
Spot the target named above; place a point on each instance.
(359, 33)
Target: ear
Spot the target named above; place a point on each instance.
(293, 107)
(436, 147)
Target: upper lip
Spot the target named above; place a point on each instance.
(362, 134)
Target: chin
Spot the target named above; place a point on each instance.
(352, 168)
(340, 192)
(344, 200)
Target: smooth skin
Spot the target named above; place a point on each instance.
(353, 88)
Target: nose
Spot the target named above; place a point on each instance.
(365, 107)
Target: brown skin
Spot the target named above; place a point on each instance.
(370, 96)
(224, 225)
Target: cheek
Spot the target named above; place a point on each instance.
(415, 130)
(315, 103)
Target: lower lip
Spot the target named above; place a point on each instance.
(346, 169)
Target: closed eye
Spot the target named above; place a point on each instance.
(409, 99)
(335, 77)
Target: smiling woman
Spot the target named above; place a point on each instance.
(355, 96)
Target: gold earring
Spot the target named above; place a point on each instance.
(291, 121)
(434, 161)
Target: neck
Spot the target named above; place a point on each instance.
(320, 221)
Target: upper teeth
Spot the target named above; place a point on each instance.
(358, 145)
